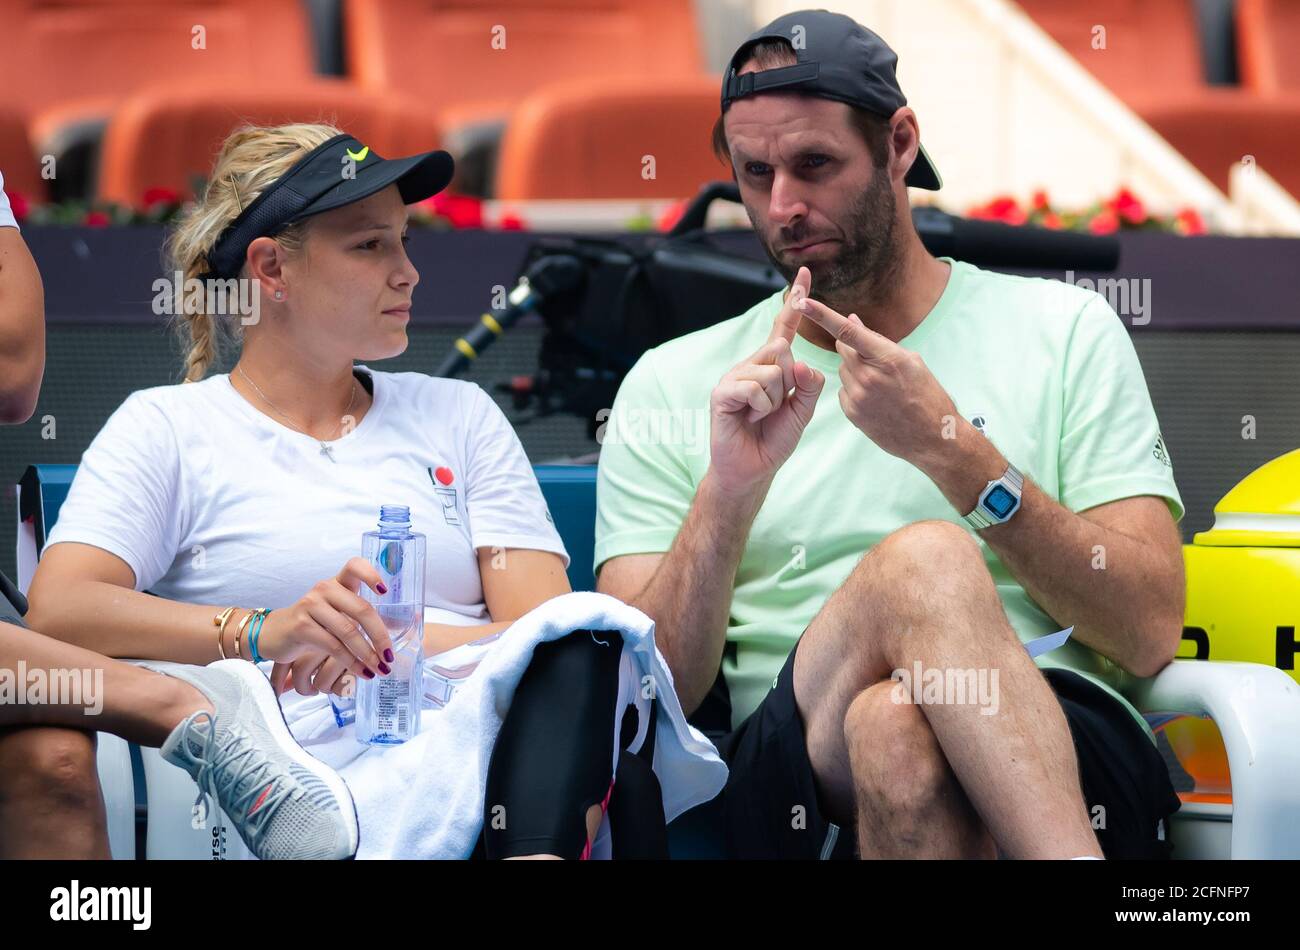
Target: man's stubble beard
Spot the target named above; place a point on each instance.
(868, 261)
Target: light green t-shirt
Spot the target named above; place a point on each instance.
(1044, 368)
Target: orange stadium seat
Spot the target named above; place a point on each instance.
(18, 159)
(1227, 127)
(168, 136)
(577, 140)
(1267, 34)
(1152, 61)
(1152, 47)
(444, 50)
(64, 61)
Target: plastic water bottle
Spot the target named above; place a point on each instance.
(388, 707)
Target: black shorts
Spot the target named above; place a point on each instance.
(551, 760)
(770, 803)
(9, 613)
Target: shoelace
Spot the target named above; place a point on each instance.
(241, 760)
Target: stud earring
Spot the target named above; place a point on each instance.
(279, 295)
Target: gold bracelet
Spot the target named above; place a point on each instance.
(239, 631)
(220, 621)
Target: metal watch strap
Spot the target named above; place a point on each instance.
(977, 519)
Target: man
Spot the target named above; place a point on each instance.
(986, 441)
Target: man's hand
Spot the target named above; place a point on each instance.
(887, 391)
(760, 408)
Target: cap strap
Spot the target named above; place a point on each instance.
(763, 80)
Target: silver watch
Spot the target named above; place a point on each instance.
(999, 500)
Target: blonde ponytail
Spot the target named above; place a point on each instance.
(250, 159)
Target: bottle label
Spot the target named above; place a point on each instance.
(392, 705)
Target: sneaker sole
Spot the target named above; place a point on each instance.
(272, 712)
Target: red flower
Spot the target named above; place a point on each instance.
(511, 222)
(159, 196)
(1128, 207)
(461, 210)
(1004, 209)
(672, 214)
(1052, 220)
(1039, 201)
(1189, 222)
(1106, 222)
(96, 219)
(1008, 211)
(19, 204)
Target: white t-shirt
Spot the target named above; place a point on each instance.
(7, 219)
(211, 501)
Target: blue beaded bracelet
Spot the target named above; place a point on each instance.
(255, 632)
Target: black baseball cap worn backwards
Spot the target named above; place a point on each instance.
(335, 173)
(838, 59)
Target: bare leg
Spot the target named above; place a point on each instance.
(924, 594)
(50, 806)
(909, 802)
(50, 803)
(137, 704)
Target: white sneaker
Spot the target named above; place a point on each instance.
(284, 803)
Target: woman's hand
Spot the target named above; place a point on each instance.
(324, 635)
(314, 673)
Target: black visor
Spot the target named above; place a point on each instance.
(334, 173)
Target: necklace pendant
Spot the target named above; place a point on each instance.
(327, 450)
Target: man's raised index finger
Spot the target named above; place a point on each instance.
(787, 318)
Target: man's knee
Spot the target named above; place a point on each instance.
(893, 752)
(52, 765)
(923, 569)
(930, 551)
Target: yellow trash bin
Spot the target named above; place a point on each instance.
(1243, 601)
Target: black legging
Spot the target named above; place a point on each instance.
(551, 761)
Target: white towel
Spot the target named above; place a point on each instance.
(424, 798)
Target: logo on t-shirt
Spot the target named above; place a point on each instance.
(442, 478)
(1161, 451)
(981, 421)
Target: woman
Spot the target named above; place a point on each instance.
(51, 692)
(251, 490)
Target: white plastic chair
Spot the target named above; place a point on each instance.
(170, 834)
(1257, 711)
(113, 760)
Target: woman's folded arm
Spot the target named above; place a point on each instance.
(84, 595)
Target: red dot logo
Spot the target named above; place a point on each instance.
(443, 475)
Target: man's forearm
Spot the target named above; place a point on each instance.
(22, 329)
(1124, 600)
(689, 595)
(1122, 596)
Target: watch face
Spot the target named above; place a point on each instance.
(1000, 502)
